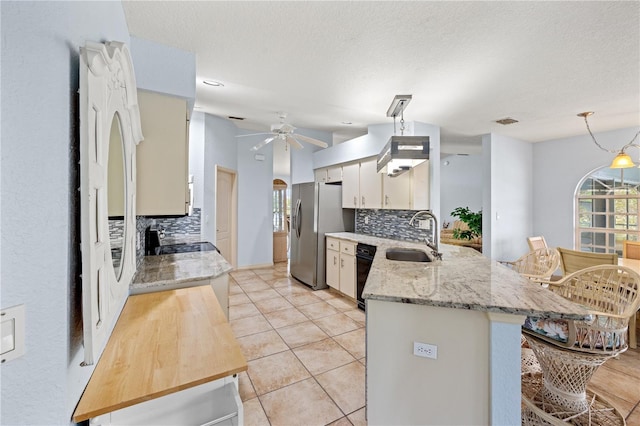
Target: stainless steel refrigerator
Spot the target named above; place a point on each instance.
(316, 210)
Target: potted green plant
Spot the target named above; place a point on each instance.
(473, 221)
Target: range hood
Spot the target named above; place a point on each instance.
(402, 153)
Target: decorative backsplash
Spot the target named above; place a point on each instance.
(173, 226)
(392, 224)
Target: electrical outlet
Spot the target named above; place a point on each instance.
(423, 224)
(366, 220)
(425, 350)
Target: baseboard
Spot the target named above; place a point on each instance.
(256, 266)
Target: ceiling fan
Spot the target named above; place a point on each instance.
(285, 132)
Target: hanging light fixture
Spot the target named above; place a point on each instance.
(622, 159)
(401, 153)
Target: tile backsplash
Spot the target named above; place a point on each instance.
(392, 224)
(173, 226)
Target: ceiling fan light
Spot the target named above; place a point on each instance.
(622, 161)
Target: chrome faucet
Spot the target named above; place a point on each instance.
(433, 243)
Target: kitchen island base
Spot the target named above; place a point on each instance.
(475, 379)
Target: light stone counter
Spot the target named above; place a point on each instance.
(172, 271)
(463, 279)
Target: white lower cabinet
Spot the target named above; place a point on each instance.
(341, 266)
(213, 403)
(333, 263)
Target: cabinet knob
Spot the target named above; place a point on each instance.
(363, 201)
(342, 263)
(355, 201)
(335, 261)
(386, 200)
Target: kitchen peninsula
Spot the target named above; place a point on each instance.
(471, 309)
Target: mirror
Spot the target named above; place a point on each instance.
(109, 132)
(116, 199)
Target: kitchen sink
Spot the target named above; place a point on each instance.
(407, 255)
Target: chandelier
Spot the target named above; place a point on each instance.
(622, 159)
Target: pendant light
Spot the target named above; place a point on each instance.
(622, 159)
(401, 153)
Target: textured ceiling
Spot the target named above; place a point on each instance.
(465, 63)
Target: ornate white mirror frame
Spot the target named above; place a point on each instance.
(107, 88)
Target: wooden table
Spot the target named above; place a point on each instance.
(630, 263)
(163, 343)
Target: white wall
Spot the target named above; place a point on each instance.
(220, 148)
(460, 184)
(558, 166)
(508, 205)
(40, 209)
(164, 69)
(255, 203)
(302, 159)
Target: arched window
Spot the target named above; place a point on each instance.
(607, 210)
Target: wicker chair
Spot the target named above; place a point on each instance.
(573, 260)
(537, 265)
(631, 250)
(536, 243)
(569, 352)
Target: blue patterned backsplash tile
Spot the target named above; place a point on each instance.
(174, 226)
(392, 224)
(185, 225)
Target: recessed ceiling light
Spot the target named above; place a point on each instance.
(213, 83)
(506, 121)
(347, 122)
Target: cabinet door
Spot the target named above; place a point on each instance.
(348, 275)
(220, 287)
(333, 269)
(162, 157)
(351, 186)
(420, 186)
(320, 175)
(397, 192)
(334, 174)
(370, 185)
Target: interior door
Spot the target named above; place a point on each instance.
(225, 214)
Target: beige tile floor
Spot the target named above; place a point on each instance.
(306, 349)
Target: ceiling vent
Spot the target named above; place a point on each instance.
(506, 121)
(231, 117)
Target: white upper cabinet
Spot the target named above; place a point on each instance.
(361, 186)
(162, 158)
(334, 174)
(329, 175)
(397, 192)
(370, 185)
(351, 186)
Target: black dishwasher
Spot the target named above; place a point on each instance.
(364, 259)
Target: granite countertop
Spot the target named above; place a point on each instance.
(171, 271)
(463, 279)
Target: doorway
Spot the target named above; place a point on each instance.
(280, 221)
(226, 213)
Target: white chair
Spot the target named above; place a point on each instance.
(570, 352)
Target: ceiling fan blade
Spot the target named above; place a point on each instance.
(254, 134)
(263, 143)
(312, 141)
(291, 140)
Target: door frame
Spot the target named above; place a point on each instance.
(234, 212)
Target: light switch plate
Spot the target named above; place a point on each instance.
(12, 343)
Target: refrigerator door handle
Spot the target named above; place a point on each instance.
(298, 218)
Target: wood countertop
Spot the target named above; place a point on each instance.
(163, 342)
